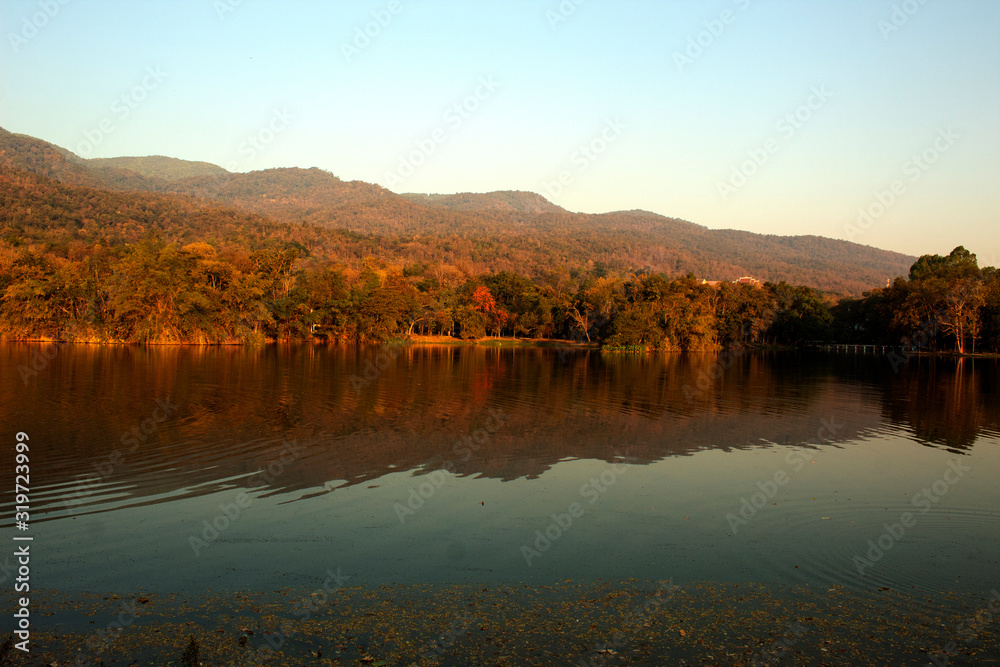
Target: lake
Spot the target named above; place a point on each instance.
(489, 505)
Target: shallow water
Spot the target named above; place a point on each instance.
(262, 469)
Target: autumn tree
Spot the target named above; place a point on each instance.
(495, 317)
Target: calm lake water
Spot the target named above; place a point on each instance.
(177, 470)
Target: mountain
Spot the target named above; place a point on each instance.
(23, 153)
(497, 231)
(159, 167)
(290, 194)
(502, 201)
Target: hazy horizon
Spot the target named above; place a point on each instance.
(771, 117)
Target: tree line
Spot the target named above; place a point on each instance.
(86, 264)
(158, 292)
(947, 302)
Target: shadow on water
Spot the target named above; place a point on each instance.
(122, 426)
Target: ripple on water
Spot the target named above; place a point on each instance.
(156, 473)
(865, 545)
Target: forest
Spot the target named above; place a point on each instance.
(177, 271)
(345, 221)
(945, 303)
(146, 262)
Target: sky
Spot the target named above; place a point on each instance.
(874, 121)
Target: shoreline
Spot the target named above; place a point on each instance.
(639, 621)
(499, 342)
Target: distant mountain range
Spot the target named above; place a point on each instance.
(515, 231)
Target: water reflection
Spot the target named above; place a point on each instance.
(946, 403)
(358, 414)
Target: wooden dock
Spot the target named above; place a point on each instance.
(857, 348)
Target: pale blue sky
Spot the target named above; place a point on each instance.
(278, 72)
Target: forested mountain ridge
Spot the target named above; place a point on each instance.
(160, 167)
(106, 254)
(503, 200)
(518, 231)
(23, 153)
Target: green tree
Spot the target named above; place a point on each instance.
(990, 311)
(800, 314)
